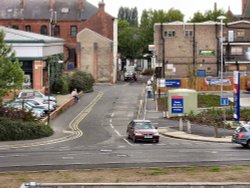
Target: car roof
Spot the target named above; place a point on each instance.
(141, 120)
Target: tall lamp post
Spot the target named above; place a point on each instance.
(221, 18)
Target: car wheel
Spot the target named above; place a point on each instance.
(248, 144)
(244, 145)
(134, 139)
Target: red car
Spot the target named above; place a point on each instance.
(142, 130)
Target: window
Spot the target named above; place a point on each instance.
(240, 33)
(169, 33)
(188, 33)
(72, 54)
(57, 31)
(236, 50)
(44, 30)
(28, 28)
(15, 26)
(73, 30)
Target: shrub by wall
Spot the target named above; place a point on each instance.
(13, 129)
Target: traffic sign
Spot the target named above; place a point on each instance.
(224, 101)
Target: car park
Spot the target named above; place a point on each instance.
(36, 104)
(142, 130)
(242, 135)
(36, 112)
(33, 93)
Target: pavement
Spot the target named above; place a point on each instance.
(171, 128)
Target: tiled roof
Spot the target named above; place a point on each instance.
(40, 9)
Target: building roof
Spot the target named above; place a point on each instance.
(29, 45)
(18, 36)
(40, 9)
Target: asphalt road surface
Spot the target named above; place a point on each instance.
(97, 138)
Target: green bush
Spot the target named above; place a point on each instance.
(13, 113)
(22, 130)
(61, 85)
(81, 81)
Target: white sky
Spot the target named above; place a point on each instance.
(187, 7)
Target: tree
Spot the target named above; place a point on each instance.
(11, 73)
(129, 14)
(209, 15)
(129, 41)
(149, 18)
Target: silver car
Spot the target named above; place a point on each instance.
(242, 135)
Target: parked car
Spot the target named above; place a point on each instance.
(36, 104)
(242, 135)
(248, 85)
(36, 112)
(40, 100)
(142, 130)
(33, 93)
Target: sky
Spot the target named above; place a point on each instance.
(187, 7)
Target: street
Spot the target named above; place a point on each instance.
(99, 139)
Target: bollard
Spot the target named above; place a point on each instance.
(181, 125)
(189, 127)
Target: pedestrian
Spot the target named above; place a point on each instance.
(75, 95)
(149, 82)
(149, 90)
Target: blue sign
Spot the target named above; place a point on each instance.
(177, 104)
(224, 101)
(173, 83)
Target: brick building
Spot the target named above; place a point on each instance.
(64, 19)
(182, 49)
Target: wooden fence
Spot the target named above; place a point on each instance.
(199, 85)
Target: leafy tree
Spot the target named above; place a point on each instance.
(149, 18)
(129, 40)
(58, 80)
(11, 73)
(209, 15)
(131, 15)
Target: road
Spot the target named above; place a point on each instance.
(98, 139)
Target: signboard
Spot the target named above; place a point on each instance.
(236, 95)
(224, 101)
(217, 82)
(207, 53)
(177, 104)
(169, 83)
(173, 83)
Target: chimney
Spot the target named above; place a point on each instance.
(102, 5)
(51, 4)
(81, 5)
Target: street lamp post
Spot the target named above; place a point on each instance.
(221, 18)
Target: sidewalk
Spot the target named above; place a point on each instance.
(170, 128)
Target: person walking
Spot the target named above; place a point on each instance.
(149, 91)
(75, 95)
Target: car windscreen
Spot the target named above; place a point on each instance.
(144, 125)
(240, 129)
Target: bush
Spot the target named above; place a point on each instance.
(13, 113)
(81, 81)
(61, 85)
(22, 130)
